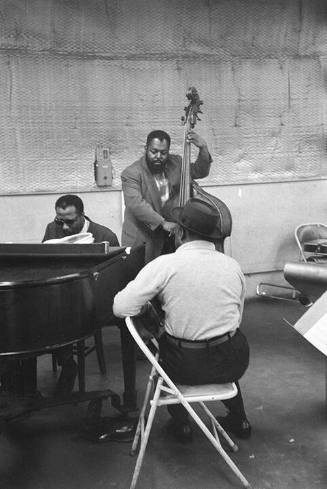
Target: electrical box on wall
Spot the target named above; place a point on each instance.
(102, 166)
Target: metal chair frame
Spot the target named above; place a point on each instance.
(263, 288)
(166, 392)
(313, 230)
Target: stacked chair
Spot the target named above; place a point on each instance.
(305, 233)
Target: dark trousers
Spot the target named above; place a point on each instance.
(222, 363)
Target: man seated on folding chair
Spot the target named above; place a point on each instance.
(201, 292)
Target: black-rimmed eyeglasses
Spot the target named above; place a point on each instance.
(68, 222)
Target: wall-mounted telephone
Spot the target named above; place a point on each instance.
(102, 166)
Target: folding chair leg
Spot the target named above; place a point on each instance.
(217, 427)
(145, 437)
(140, 425)
(215, 443)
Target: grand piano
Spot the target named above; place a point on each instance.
(57, 294)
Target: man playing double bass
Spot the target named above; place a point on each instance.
(149, 184)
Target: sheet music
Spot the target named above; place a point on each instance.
(313, 324)
(317, 335)
(74, 238)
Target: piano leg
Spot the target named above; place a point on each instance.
(128, 348)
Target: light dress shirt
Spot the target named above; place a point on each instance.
(200, 290)
(163, 186)
(86, 226)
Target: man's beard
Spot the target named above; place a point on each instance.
(155, 167)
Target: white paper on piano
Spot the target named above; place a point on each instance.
(83, 238)
(313, 324)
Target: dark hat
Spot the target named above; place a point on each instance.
(199, 217)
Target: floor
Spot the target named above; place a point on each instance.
(285, 401)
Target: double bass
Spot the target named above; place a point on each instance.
(190, 188)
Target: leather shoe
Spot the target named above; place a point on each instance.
(240, 428)
(182, 432)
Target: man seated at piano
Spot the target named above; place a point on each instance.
(70, 220)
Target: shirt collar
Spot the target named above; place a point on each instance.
(85, 227)
(200, 244)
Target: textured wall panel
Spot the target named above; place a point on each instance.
(77, 73)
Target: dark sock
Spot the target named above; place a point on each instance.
(235, 406)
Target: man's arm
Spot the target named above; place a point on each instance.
(242, 299)
(111, 237)
(114, 241)
(47, 234)
(147, 284)
(201, 167)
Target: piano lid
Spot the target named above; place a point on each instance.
(31, 262)
(61, 249)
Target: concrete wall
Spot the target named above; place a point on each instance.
(75, 73)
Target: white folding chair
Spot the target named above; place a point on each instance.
(166, 392)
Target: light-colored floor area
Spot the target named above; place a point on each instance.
(284, 392)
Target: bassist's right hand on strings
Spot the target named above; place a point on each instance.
(168, 226)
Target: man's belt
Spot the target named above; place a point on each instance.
(200, 344)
